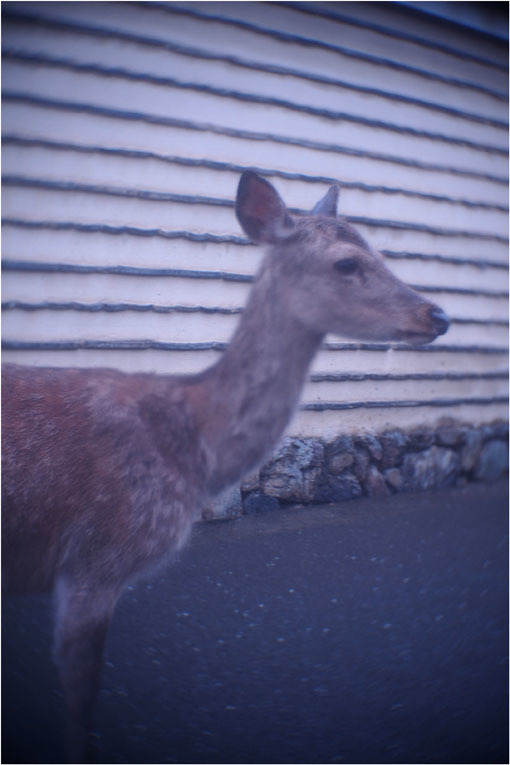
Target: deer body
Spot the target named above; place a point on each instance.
(105, 472)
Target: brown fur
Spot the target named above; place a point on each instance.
(105, 472)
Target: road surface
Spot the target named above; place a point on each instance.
(369, 632)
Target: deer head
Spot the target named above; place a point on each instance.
(333, 281)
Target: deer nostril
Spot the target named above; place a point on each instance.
(440, 319)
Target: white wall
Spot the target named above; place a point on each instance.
(125, 129)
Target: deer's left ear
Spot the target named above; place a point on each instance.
(260, 210)
(328, 204)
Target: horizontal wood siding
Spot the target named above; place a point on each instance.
(126, 127)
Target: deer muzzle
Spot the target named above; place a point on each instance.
(440, 321)
(430, 322)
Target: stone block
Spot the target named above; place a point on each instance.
(394, 444)
(339, 462)
(294, 471)
(341, 445)
(471, 449)
(450, 436)
(492, 461)
(371, 444)
(257, 502)
(499, 430)
(333, 488)
(393, 478)
(361, 463)
(375, 485)
(434, 468)
(421, 439)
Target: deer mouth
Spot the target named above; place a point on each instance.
(440, 323)
(415, 338)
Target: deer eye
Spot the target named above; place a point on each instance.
(346, 266)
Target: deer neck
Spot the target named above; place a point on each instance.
(249, 396)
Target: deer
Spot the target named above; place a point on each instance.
(104, 472)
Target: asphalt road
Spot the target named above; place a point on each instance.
(370, 632)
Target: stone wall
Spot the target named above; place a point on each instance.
(311, 471)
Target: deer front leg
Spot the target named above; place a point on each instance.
(82, 618)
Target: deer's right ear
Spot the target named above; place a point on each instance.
(328, 204)
(260, 210)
